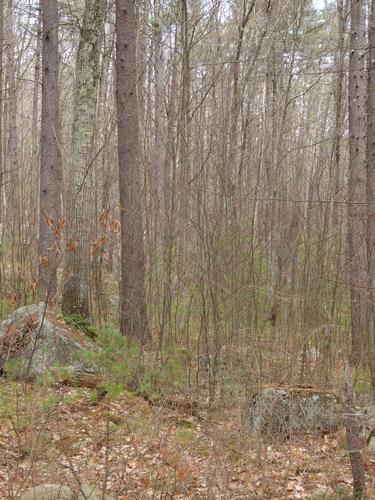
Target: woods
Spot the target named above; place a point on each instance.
(191, 185)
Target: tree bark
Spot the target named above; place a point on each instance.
(353, 440)
(357, 179)
(339, 107)
(13, 199)
(371, 186)
(50, 179)
(160, 169)
(36, 91)
(133, 318)
(75, 297)
(1, 117)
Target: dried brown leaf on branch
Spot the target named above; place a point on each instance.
(44, 260)
(72, 246)
(104, 216)
(115, 226)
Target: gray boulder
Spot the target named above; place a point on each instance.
(367, 421)
(59, 491)
(34, 342)
(284, 410)
(48, 492)
(371, 444)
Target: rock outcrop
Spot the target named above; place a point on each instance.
(284, 410)
(367, 423)
(34, 342)
(61, 492)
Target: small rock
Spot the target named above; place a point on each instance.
(82, 443)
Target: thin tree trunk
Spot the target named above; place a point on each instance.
(339, 108)
(184, 136)
(161, 173)
(133, 318)
(36, 89)
(13, 201)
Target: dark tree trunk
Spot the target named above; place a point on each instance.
(133, 317)
(371, 186)
(357, 179)
(1, 113)
(50, 179)
(353, 440)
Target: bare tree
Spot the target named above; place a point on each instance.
(133, 318)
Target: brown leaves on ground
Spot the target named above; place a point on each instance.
(138, 451)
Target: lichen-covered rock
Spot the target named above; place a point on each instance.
(366, 417)
(371, 444)
(48, 492)
(284, 410)
(61, 492)
(33, 342)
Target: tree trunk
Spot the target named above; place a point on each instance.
(1, 117)
(160, 169)
(270, 129)
(133, 318)
(357, 178)
(13, 201)
(75, 297)
(371, 185)
(36, 90)
(50, 179)
(339, 107)
(353, 440)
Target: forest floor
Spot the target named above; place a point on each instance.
(138, 451)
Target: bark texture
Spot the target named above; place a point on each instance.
(371, 184)
(13, 164)
(75, 297)
(50, 175)
(357, 178)
(160, 167)
(353, 440)
(133, 319)
(1, 116)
